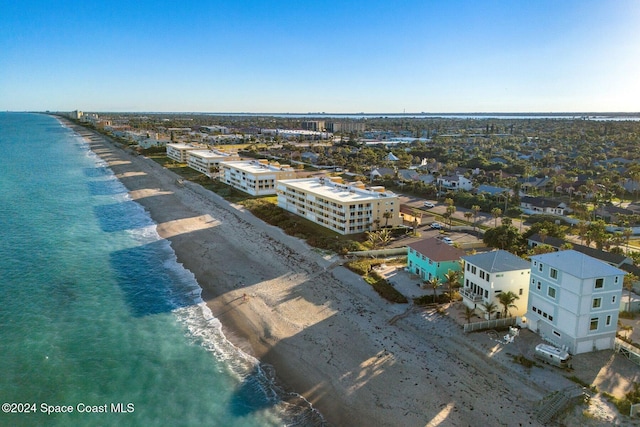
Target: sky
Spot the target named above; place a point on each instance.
(295, 56)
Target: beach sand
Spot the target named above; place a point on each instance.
(327, 334)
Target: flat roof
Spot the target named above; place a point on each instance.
(211, 154)
(332, 191)
(256, 168)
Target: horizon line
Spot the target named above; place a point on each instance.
(359, 113)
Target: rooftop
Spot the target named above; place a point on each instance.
(336, 190)
(498, 261)
(437, 250)
(258, 167)
(577, 264)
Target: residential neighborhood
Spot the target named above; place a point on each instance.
(531, 238)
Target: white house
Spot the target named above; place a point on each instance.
(542, 205)
(454, 182)
(574, 300)
(488, 274)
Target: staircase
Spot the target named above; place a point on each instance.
(557, 401)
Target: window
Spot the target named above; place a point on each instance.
(613, 299)
(616, 280)
(553, 273)
(599, 283)
(608, 320)
(551, 292)
(550, 318)
(597, 302)
(520, 291)
(488, 279)
(594, 324)
(473, 269)
(540, 267)
(556, 333)
(533, 308)
(539, 286)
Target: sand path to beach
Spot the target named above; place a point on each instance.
(324, 330)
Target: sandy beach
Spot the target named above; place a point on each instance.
(327, 334)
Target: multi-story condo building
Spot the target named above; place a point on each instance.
(432, 257)
(345, 208)
(256, 177)
(574, 300)
(346, 126)
(208, 161)
(488, 274)
(178, 151)
(315, 125)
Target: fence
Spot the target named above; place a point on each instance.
(490, 324)
(626, 349)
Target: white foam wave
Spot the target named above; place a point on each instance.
(197, 317)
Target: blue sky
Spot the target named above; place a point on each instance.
(313, 56)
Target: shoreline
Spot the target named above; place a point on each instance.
(325, 332)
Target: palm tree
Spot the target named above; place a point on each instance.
(490, 307)
(627, 283)
(450, 210)
(452, 278)
(507, 300)
(496, 212)
(627, 233)
(434, 283)
(387, 216)
(468, 215)
(475, 209)
(468, 314)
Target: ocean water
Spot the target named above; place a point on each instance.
(99, 324)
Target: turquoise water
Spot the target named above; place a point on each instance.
(95, 311)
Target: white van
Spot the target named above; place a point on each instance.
(553, 355)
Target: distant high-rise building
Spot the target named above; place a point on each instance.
(314, 125)
(345, 127)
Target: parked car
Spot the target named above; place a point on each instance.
(436, 226)
(447, 240)
(429, 205)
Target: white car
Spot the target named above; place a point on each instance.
(436, 226)
(429, 205)
(447, 240)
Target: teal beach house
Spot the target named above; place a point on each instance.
(432, 257)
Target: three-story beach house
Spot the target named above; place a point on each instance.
(574, 300)
(489, 274)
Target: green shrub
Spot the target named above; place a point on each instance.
(388, 292)
(428, 299)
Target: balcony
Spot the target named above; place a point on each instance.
(466, 293)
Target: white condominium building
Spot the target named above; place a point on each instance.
(256, 177)
(208, 161)
(345, 208)
(178, 151)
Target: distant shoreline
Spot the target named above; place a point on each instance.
(597, 116)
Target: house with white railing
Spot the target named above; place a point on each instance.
(488, 274)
